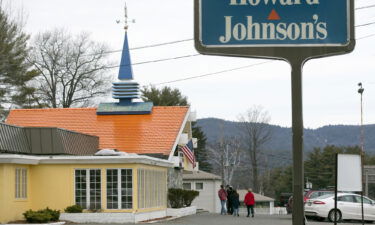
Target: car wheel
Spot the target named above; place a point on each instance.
(331, 215)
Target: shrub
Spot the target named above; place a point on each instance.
(179, 198)
(73, 209)
(175, 197)
(55, 214)
(41, 216)
(188, 196)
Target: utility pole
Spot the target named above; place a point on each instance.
(360, 91)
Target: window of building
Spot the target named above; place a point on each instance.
(152, 188)
(119, 189)
(21, 183)
(88, 188)
(186, 186)
(198, 186)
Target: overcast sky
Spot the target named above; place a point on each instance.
(329, 84)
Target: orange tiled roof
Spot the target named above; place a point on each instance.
(142, 134)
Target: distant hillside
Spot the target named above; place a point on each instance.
(339, 135)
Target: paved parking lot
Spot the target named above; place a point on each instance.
(216, 219)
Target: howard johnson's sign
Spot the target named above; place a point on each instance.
(236, 23)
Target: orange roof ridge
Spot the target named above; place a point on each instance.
(51, 109)
(174, 106)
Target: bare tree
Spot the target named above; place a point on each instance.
(225, 157)
(256, 132)
(72, 69)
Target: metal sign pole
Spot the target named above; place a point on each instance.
(336, 166)
(234, 28)
(297, 130)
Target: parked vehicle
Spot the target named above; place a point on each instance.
(283, 199)
(316, 193)
(307, 195)
(348, 207)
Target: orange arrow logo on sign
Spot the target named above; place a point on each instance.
(273, 15)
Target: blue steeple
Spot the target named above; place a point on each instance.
(125, 90)
(125, 71)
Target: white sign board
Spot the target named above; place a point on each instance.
(349, 172)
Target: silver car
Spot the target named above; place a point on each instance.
(348, 207)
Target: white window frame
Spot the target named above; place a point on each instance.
(199, 189)
(88, 197)
(119, 194)
(21, 183)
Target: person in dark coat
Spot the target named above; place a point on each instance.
(235, 203)
(250, 202)
(230, 199)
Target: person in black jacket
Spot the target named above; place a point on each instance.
(230, 199)
(235, 203)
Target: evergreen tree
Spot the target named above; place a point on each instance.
(14, 69)
(164, 97)
(201, 152)
(173, 97)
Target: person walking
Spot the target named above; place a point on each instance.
(235, 203)
(223, 199)
(249, 202)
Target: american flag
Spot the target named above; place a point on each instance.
(188, 151)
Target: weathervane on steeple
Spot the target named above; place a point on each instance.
(126, 26)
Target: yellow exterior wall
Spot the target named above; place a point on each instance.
(11, 208)
(52, 186)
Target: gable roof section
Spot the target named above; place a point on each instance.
(199, 175)
(154, 133)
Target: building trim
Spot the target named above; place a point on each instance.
(182, 127)
(35, 160)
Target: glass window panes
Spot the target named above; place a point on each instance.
(88, 188)
(186, 186)
(198, 186)
(21, 183)
(119, 189)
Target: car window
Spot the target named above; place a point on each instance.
(365, 200)
(314, 195)
(326, 195)
(346, 198)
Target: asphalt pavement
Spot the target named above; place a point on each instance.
(217, 219)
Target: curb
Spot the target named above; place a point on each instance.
(56, 223)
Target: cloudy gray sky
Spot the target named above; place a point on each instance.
(329, 84)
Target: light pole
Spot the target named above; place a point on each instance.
(360, 91)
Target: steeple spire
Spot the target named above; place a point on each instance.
(125, 70)
(125, 90)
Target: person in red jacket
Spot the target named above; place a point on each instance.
(249, 202)
(223, 199)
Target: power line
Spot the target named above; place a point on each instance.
(150, 46)
(371, 35)
(188, 56)
(365, 7)
(232, 69)
(154, 61)
(214, 73)
(366, 24)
